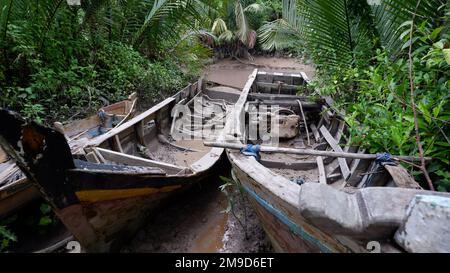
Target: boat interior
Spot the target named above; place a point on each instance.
(77, 132)
(309, 123)
(168, 138)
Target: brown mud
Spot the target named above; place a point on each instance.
(197, 222)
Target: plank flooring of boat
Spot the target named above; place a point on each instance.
(334, 145)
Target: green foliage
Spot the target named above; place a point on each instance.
(6, 235)
(227, 189)
(233, 31)
(377, 100)
(59, 60)
(361, 57)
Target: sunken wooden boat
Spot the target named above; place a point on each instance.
(16, 190)
(315, 191)
(104, 192)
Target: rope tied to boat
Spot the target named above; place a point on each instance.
(385, 159)
(252, 150)
(298, 181)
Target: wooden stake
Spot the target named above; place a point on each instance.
(304, 120)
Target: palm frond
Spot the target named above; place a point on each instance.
(6, 10)
(391, 14)
(226, 36)
(243, 28)
(277, 35)
(254, 8)
(219, 27)
(162, 18)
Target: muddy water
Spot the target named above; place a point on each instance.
(193, 223)
(210, 238)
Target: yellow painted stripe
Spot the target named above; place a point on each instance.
(104, 195)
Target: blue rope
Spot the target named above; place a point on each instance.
(252, 150)
(385, 159)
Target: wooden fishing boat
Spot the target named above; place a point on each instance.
(103, 192)
(315, 191)
(16, 190)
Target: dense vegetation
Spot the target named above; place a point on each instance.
(59, 60)
(387, 65)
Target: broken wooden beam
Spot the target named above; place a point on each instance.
(334, 144)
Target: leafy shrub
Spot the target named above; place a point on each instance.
(377, 100)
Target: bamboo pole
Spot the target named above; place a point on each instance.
(237, 146)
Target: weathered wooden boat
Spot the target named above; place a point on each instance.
(104, 191)
(16, 190)
(316, 191)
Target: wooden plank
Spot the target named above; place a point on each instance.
(401, 177)
(235, 125)
(117, 143)
(265, 96)
(99, 156)
(138, 161)
(3, 156)
(334, 145)
(315, 132)
(334, 177)
(283, 86)
(8, 171)
(304, 76)
(139, 129)
(288, 103)
(321, 168)
(340, 131)
(299, 165)
(92, 157)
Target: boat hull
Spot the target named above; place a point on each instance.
(285, 228)
(15, 196)
(103, 225)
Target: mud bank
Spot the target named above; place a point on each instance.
(196, 222)
(235, 73)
